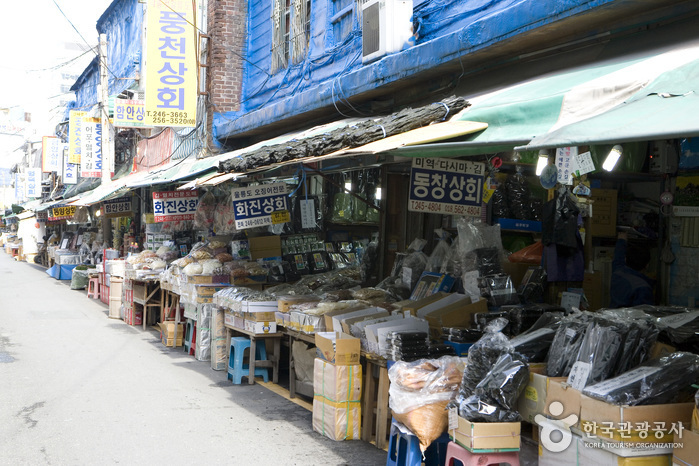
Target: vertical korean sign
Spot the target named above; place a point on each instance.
(51, 154)
(19, 188)
(32, 185)
(75, 122)
(446, 186)
(171, 74)
(70, 170)
(91, 148)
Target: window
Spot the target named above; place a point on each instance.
(291, 32)
(342, 18)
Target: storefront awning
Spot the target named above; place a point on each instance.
(644, 96)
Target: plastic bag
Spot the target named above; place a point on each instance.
(79, 279)
(534, 344)
(498, 289)
(439, 253)
(483, 354)
(224, 217)
(518, 196)
(566, 344)
(658, 381)
(419, 393)
(495, 397)
(528, 255)
(204, 215)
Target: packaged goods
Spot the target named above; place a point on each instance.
(482, 355)
(534, 344)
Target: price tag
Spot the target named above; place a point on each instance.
(579, 374)
(453, 419)
(280, 216)
(583, 163)
(308, 213)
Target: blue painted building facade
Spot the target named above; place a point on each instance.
(314, 73)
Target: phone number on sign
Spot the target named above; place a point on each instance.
(438, 208)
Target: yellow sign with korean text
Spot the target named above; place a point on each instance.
(281, 216)
(172, 73)
(75, 122)
(62, 213)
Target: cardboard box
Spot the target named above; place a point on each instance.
(260, 316)
(593, 286)
(205, 293)
(328, 316)
(338, 348)
(459, 314)
(415, 306)
(660, 350)
(337, 383)
(604, 212)
(597, 416)
(285, 302)
(482, 437)
(337, 421)
(167, 329)
(348, 323)
(265, 246)
(536, 398)
(581, 453)
(261, 327)
(688, 453)
(282, 319)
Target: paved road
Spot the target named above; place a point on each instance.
(78, 388)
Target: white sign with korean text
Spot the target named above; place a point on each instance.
(91, 148)
(33, 183)
(70, 170)
(174, 206)
(565, 164)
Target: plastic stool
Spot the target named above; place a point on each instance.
(236, 369)
(404, 449)
(466, 458)
(189, 336)
(93, 288)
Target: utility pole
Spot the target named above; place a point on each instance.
(107, 140)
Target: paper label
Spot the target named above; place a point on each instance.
(308, 213)
(583, 163)
(579, 374)
(570, 300)
(565, 164)
(453, 419)
(678, 320)
(281, 216)
(570, 333)
(632, 376)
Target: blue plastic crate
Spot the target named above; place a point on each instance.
(461, 349)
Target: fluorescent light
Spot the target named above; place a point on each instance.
(348, 185)
(612, 158)
(542, 162)
(378, 193)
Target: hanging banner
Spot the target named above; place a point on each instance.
(119, 207)
(32, 184)
(174, 206)
(19, 188)
(70, 170)
(261, 205)
(91, 148)
(51, 154)
(446, 186)
(565, 164)
(64, 212)
(129, 113)
(171, 75)
(75, 122)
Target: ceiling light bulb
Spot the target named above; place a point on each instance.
(542, 162)
(612, 158)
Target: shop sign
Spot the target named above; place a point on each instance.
(91, 148)
(119, 207)
(19, 188)
(565, 164)
(75, 123)
(51, 154)
(70, 170)
(129, 113)
(446, 186)
(260, 205)
(33, 183)
(42, 216)
(65, 212)
(171, 75)
(174, 206)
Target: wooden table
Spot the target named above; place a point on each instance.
(272, 360)
(376, 416)
(303, 388)
(144, 292)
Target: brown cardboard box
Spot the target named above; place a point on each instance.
(285, 302)
(459, 314)
(167, 333)
(604, 212)
(347, 323)
(265, 246)
(535, 398)
(559, 390)
(660, 350)
(413, 307)
(338, 348)
(688, 453)
(599, 413)
(487, 436)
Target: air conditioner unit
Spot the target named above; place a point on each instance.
(386, 27)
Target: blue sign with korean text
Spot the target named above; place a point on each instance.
(253, 206)
(446, 186)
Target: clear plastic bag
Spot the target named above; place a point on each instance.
(439, 253)
(204, 215)
(224, 217)
(423, 382)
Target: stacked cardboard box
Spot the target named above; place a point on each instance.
(337, 388)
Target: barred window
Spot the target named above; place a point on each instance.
(291, 31)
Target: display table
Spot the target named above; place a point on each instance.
(376, 416)
(61, 272)
(272, 360)
(145, 293)
(296, 386)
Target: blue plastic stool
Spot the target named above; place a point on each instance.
(188, 336)
(236, 368)
(404, 449)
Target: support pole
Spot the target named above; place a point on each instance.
(107, 140)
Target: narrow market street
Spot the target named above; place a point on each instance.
(79, 388)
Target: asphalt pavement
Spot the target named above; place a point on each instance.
(78, 388)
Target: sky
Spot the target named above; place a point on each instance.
(33, 39)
